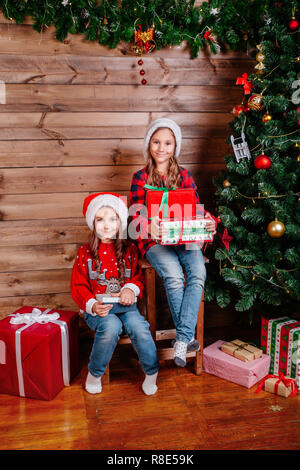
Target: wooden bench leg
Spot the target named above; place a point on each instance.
(150, 299)
(199, 337)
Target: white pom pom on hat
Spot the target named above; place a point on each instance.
(117, 202)
(158, 123)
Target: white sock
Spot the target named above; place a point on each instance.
(93, 384)
(149, 385)
(180, 349)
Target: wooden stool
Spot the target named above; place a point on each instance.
(147, 308)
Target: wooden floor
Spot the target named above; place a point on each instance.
(187, 413)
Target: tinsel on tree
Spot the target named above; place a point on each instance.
(258, 195)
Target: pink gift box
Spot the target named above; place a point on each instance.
(227, 367)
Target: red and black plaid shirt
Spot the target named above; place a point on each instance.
(138, 196)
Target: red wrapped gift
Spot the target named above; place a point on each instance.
(39, 352)
(170, 202)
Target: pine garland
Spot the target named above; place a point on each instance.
(110, 22)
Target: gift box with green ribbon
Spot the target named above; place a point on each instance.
(170, 203)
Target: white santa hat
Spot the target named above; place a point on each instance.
(118, 203)
(158, 123)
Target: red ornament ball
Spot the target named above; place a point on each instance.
(142, 72)
(262, 162)
(140, 62)
(293, 24)
(143, 82)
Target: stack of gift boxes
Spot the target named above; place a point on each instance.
(179, 216)
(276, 363)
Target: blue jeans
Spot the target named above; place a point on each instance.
(183, 298)
(107, 333)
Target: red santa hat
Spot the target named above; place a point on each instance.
(117, 202)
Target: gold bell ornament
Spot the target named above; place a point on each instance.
(255, 102)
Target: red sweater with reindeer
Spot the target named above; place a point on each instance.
(87, 280)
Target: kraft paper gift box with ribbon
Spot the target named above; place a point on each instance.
(39, 352)
(242, 350)
(221, 364)
(280, 339)
(278, 384)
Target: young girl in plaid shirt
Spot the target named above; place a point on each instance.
(162, 144)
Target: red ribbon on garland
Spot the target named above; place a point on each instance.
(281, 378)
(207, 35)
(243, 80)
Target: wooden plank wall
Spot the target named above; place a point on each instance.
(73, 123)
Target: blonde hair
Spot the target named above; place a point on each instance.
(172, 178)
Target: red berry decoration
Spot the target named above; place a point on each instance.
(262, 162)
(143, 82)
(293, 24)
(142, 72)
(140, 62)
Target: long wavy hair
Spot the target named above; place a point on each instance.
(172, 177)
(121, 245)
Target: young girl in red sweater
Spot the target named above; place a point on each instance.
(108, 267)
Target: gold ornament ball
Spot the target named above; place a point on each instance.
(276, 229)
(298, 158)
(226, 184)
(267, 117)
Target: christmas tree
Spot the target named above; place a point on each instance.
(256, 260)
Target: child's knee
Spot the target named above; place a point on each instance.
(110, 328)
(137, 326)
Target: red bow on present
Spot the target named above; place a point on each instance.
(243, 80)
(281, 378)
(207, 35)
(144, 40)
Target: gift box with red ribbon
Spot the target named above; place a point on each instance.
(39, 352)
(278, 384)
(280, 339)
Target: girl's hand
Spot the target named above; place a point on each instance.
(211, 225)
(154, 229)
(101, 309)
(126, 295)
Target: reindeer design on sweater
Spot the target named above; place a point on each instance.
(112, 284)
